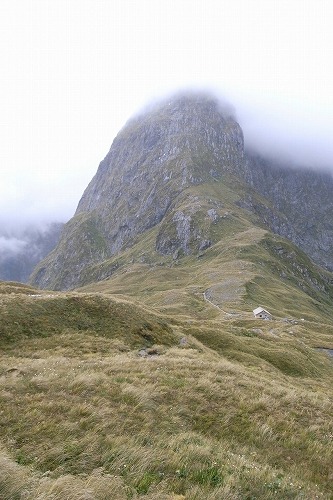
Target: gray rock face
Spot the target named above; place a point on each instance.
(151, 178)
(184, 142)
(300, 204)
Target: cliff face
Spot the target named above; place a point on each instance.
(298, 204)
(186, 141)
(153, 178)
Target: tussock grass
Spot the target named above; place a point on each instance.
(85, 416)
(44, 315)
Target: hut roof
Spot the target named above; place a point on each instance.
(259, 310)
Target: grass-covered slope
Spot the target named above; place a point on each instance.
(31, 314)
(183, 397)
(154, 379)
(220, 256)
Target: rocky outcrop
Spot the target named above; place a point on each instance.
(297, 204)
(185, 141)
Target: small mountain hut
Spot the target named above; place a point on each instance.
(261, 313)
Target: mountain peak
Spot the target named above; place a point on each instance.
(177, 176)
(188, 102)
(182, 141)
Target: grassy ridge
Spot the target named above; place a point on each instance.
(93, 408)
(238, 273)
(44, 315)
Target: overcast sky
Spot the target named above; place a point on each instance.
(74, 71)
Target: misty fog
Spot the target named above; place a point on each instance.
(10, 245)
(22, 247)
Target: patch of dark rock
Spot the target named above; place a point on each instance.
(147, 337)
(326, 350)
(205, 244)
(144, 353)
(14, 371)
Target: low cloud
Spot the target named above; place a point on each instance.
(10, 246)
(294, 134)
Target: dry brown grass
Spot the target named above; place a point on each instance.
(186, 423)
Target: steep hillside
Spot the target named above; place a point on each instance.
(184, 142)
(301, 207)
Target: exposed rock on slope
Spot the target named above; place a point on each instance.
(186, 141)
(152, 178)
(301, 205)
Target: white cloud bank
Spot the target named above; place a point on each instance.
(74, 72)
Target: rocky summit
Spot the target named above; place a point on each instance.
(177, 180)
